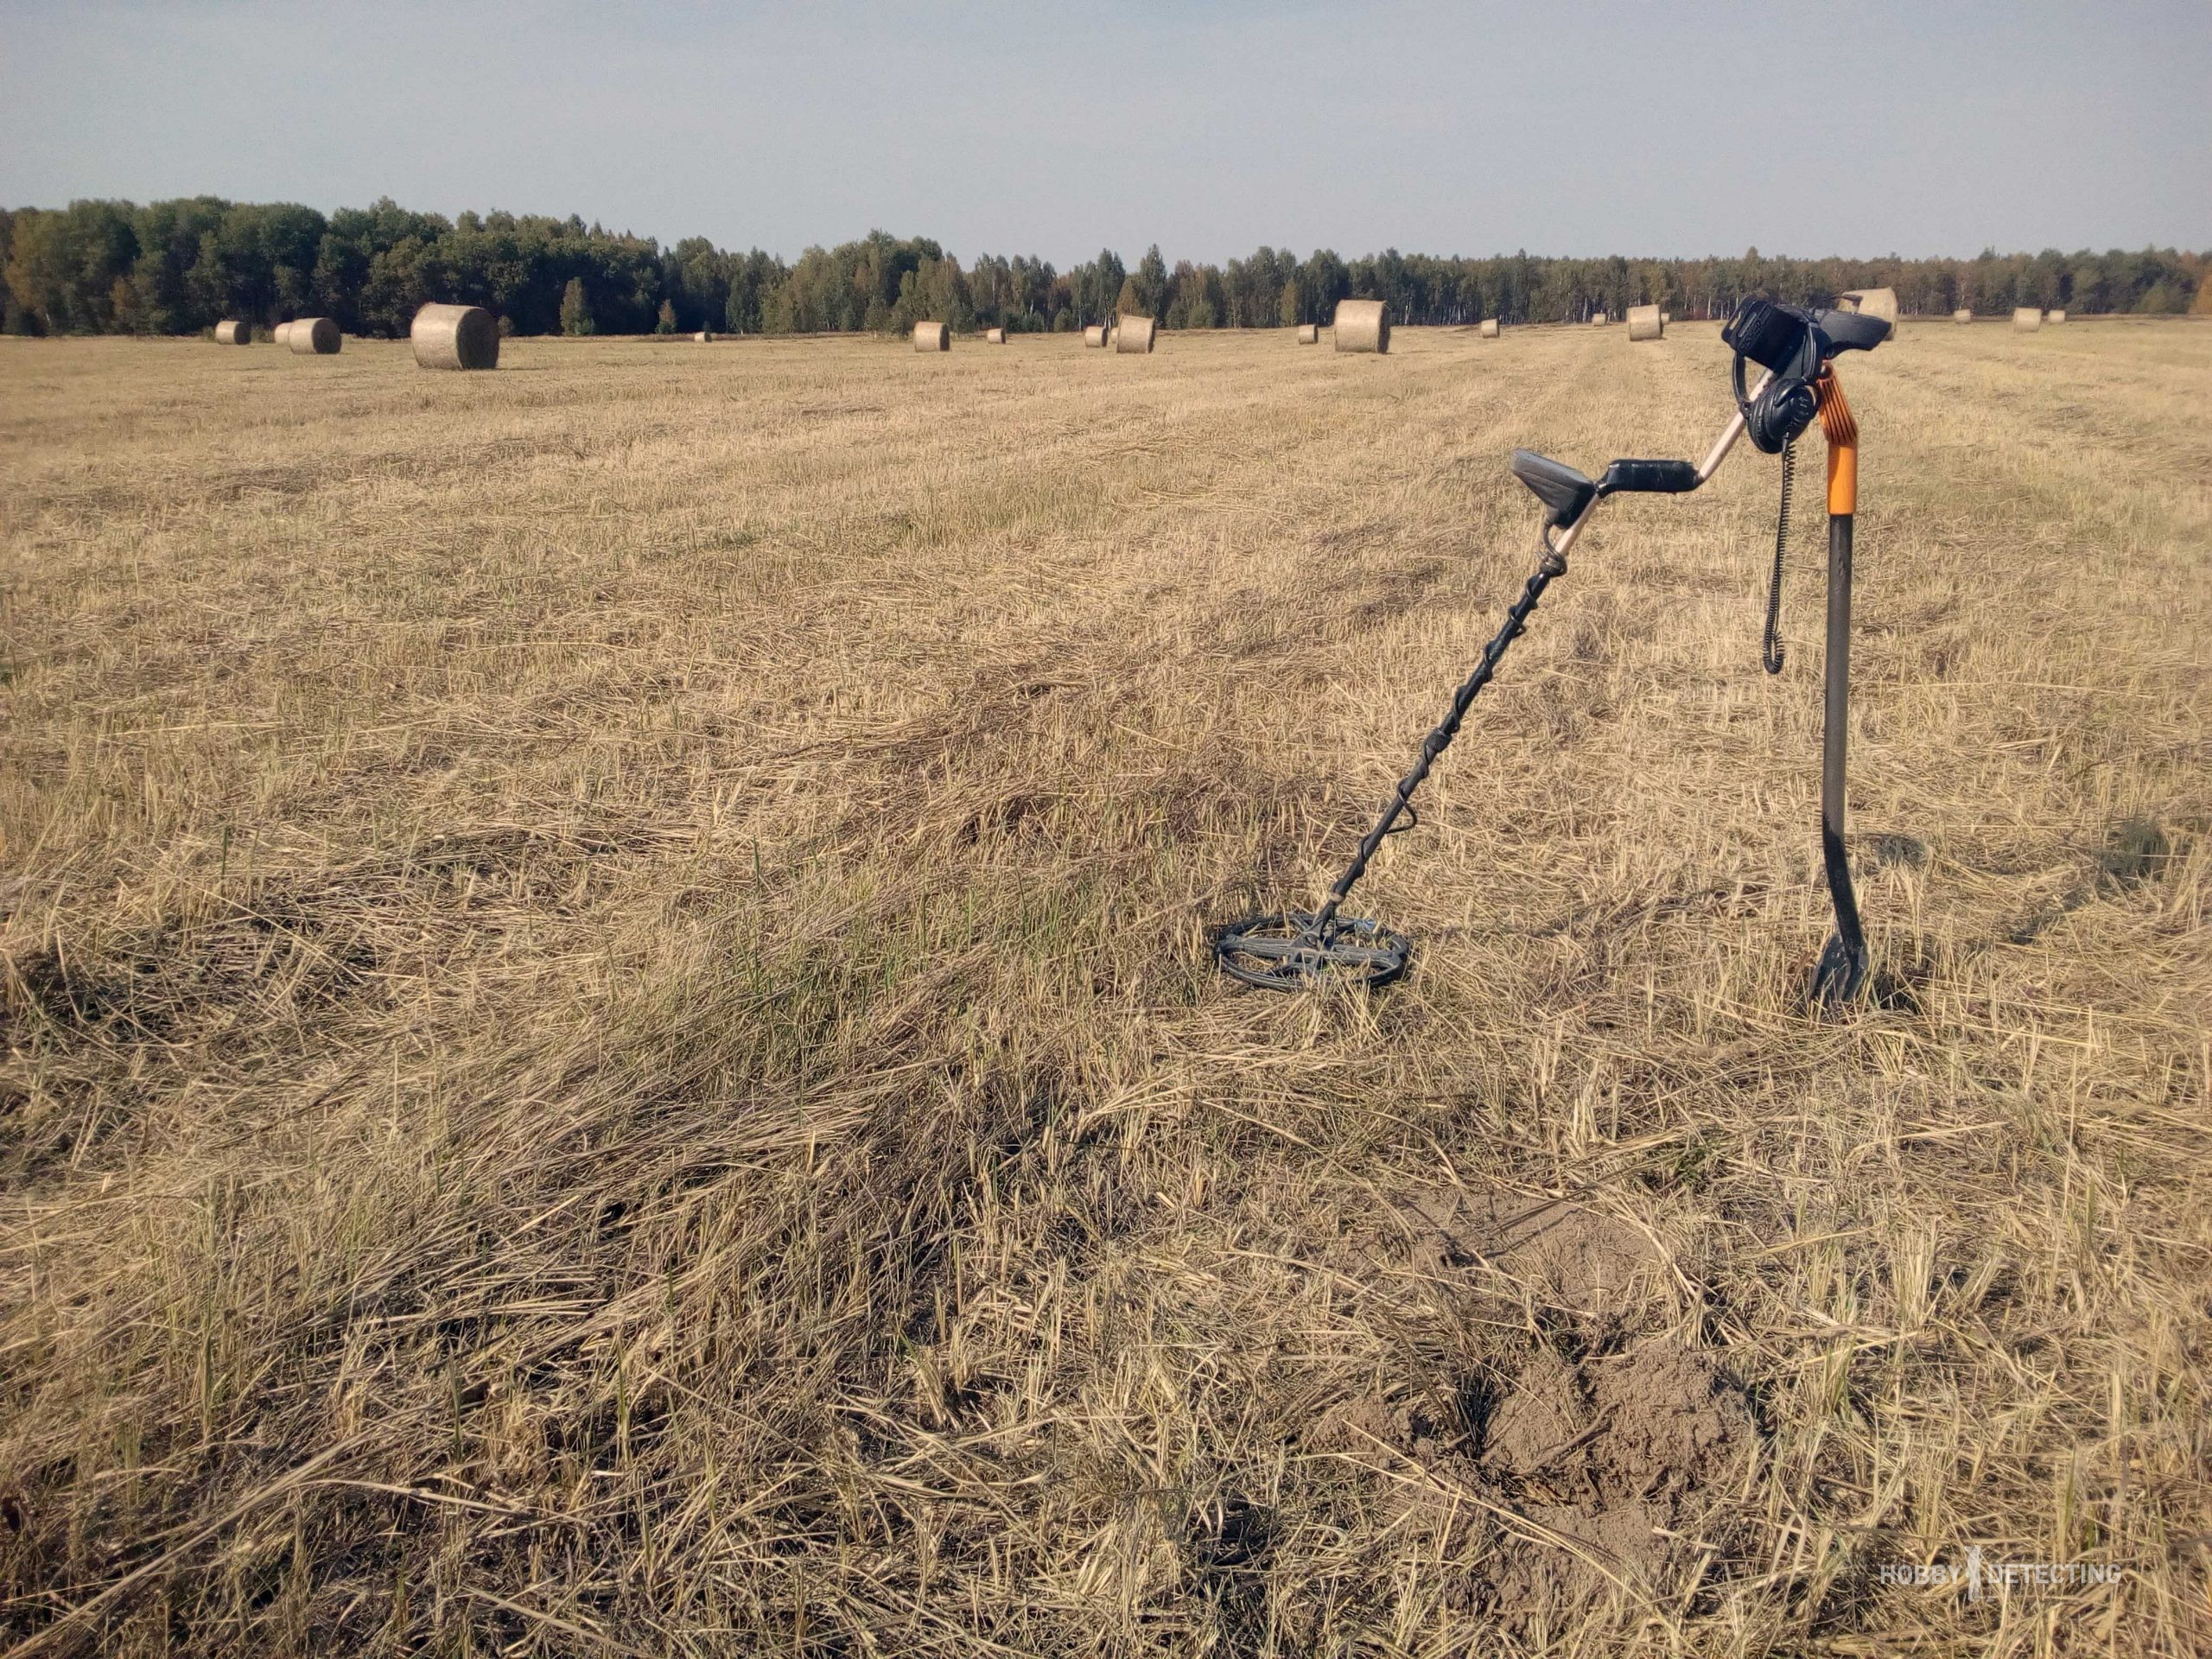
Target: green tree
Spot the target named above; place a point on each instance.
(936, 290)
(63, 268)
(1149, 285)
(575, 309)
(753, 280)
(354, 240)
(169, 235)
(1096, 287)
(666, 323)
(1323, 280)
(176, 266)
(401, 279)
(696, 276)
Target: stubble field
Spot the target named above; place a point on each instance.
(611, 1046)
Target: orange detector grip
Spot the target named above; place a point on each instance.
(1842, 434)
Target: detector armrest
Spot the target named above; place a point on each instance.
(1558, 486)
(1851, 331)
(1657, 477)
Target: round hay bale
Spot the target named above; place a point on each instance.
(995, 336)
(704, 337)
(1665, 318)
(1490, 328)
(1114, 339)
(1362, 325)
(312, 337)
(1643, 322)
(1094, 335)
(1600, 320)
(281, 335)
(2026, 319)
(1962, 316)
(932, 337)
(1133, 338)
(454, 337)
(231, 333)
(1872, 302)
(1309, 333)
(2054, 318)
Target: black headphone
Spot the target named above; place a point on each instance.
(1786, 341)
(1778, 414)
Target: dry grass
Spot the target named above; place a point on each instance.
(611, 1046)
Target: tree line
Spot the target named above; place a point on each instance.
(178, 267)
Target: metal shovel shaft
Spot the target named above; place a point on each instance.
(1843, 963)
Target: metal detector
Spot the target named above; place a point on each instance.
(1795, 350)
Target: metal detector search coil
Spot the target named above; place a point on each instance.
(1301, 950)
(1285, 953)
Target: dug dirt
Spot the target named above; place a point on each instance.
(1599, 1455)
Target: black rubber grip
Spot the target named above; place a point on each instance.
(1656, 477)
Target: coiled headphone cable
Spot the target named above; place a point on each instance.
(1771, 646)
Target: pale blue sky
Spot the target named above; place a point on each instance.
(1004, 127)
